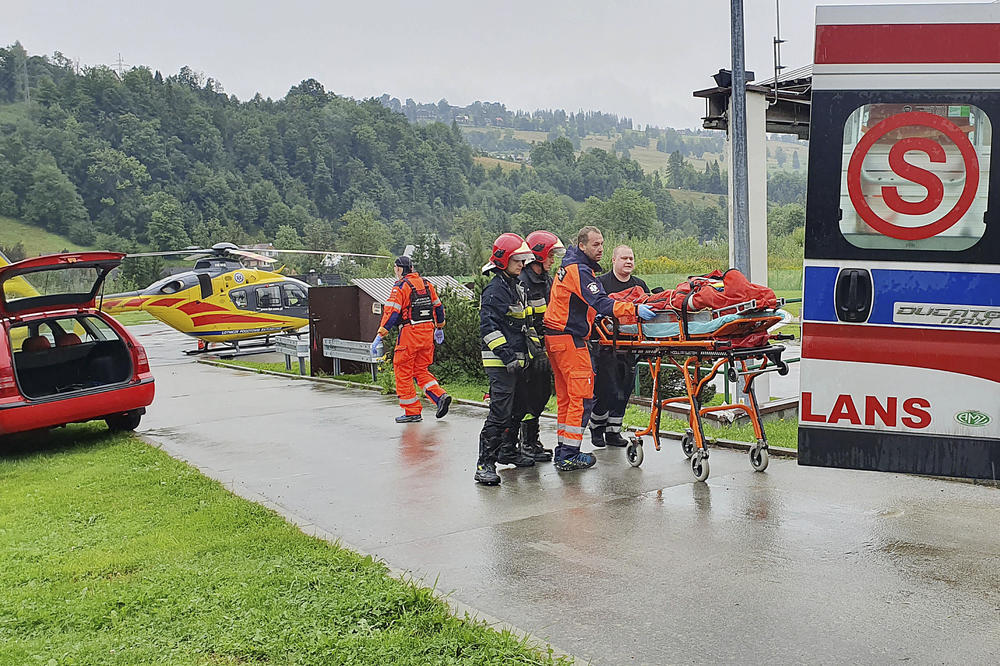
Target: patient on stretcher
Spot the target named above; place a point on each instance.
(717, 305)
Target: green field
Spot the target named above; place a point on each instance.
(491, 162)
(36, 241)
(115, 553)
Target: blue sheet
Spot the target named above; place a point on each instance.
(673, 329)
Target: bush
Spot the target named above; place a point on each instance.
(459, 357)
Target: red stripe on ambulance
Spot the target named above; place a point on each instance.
(908, 43)
(972, 353)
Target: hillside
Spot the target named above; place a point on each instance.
(35, 241)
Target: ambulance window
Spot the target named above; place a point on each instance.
(915, 176)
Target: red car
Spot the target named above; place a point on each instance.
(61, 359)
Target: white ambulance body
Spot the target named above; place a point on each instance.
(901, 304)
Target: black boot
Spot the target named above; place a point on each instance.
(509, 453)
(597, 437)
(486, 466)
(530, 444)
(486, 474)
(615, 439)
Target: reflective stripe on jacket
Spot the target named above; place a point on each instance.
(503, 323)
(577, 296)
(536, 288)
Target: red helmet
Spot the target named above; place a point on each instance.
(506, 247)
(544, 243)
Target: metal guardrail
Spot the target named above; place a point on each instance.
(349, 350)
(292, 346)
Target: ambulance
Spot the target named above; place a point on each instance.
(901, 301)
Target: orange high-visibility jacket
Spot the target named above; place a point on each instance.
(577, 297)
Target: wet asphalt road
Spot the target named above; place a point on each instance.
(615, 565)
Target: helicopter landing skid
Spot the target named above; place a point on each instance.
(227, 351)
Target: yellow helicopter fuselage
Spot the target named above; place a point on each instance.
(234, 305)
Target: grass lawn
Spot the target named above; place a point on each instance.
(115, 553)
(779, 433)
(37, 241)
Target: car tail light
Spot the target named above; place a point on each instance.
(141, 361)
(8, 385)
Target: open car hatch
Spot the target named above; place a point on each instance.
(54, 282)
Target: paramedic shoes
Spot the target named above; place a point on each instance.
(409, 418)
(569, 459)
(486, 474)
(597, 438)
(443, 404)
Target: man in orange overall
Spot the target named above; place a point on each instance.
(415, 306)
(576, 298)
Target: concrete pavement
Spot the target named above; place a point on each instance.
(615, 565)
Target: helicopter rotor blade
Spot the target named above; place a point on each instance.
(166, 253)
(342, 254)
(253, 255)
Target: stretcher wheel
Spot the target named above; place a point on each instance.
(758, 457)
(633, 453)
(687, 443)
(699, 466)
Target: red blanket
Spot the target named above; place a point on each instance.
(715, 290)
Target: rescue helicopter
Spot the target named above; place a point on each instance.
(221, 300)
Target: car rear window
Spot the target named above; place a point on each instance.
(48, 282)
(64, 331)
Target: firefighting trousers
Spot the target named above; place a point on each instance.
(504, 387)
(410, 363)
(534, 391)
(614, 382)
(573, 372)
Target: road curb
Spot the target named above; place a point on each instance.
(668, 434)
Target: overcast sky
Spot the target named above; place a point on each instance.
(636, 58)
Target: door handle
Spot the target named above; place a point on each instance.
(853, 298)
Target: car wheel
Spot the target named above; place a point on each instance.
(123, 422)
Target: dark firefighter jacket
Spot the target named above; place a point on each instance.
(536, 287)
(503, 321)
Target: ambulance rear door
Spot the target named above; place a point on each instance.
(901, 303)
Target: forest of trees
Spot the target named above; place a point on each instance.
(138, 159)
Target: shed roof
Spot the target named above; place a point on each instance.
(380, 288)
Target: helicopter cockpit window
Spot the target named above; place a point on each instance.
(268, 297)
(239, 298)
(172, 287)
(294, 296)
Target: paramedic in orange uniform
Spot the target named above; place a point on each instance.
(415, 306)
(576, 298)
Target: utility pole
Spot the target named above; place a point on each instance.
(738, 135)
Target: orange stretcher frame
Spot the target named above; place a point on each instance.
(700, 357)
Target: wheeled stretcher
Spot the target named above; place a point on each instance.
(700, 344)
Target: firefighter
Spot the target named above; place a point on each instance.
(537, 282)
(615, 372)
(577, 297)
(415, 306)
(503, 325)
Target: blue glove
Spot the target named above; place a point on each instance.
(644, 311)
(439, 335)
(378, 350)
